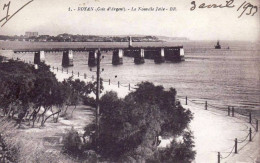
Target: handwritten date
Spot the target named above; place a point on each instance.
(252, 9)
(246, 7)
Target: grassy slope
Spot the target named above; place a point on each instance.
(45, 144)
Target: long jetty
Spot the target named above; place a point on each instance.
(160, 54)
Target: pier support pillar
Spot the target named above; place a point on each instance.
(130, 44)
(39, 57)
(159, 56)
(174, 54)
(67, 58)
(92, 58)
(139, 56)
(117, 57)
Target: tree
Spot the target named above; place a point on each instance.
(16, 83)
(61, 97)
(26, 89)
(130, 127)
(47, 92)
(76, 91)
(29, 93)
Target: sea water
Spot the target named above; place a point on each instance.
(227, 76)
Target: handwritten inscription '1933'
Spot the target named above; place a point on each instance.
(246, 6)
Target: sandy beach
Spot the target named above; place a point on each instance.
(213, 130)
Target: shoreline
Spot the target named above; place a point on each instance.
(122, 90)
(213, 131)
(218, 136)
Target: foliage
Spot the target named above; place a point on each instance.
(2, 58)
(177, 152)
(94, 86)
(72, 143)
(9, 148)
(48, 91)
(16, 83)
(27, 94)
(130, 127)
(90, 101)
(26, 91)
(76, 91)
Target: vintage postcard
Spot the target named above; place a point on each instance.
(156, 81)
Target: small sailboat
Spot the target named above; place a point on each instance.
(218, 46)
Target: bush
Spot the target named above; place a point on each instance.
(177, 152)
(9, 146)
(80, 151)
(90, 101)
(72, 143)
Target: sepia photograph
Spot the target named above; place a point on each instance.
(129, 81)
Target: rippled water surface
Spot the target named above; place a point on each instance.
(223, 77)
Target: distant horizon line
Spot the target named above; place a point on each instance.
(141, 35)
(122, 35)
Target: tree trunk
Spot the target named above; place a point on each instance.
(51, 115)
(32, 114)
(73, 110)
(5, 112)
(26, 115)
(43, 114)
(13, 113)
(51, 110)
(55, 120)
(57, 117)
(66, 109)
(20, 119)
(35, 115)
(33, 123)
(10, 110)
(39, 117)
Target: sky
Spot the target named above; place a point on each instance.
(52, 17)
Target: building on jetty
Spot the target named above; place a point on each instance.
(159, 54)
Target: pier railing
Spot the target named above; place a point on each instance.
(231, 111)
